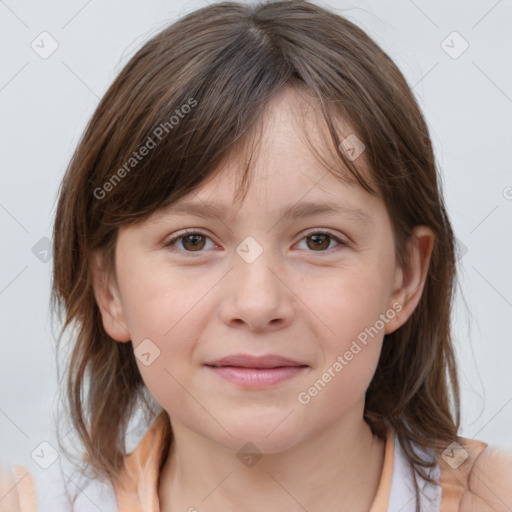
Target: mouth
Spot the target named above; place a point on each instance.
(256, 372)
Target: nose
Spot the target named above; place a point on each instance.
(257, 295)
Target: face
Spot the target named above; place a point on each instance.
(320, 288)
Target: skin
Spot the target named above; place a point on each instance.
(294, 299)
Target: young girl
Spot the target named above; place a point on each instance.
(253, 249)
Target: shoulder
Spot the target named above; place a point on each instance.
(58, 487)
(489, 482)
(475, 477)
(8, 493)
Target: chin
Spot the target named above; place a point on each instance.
(269, 435)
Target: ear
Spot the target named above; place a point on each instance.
(107, 298)
(410, 281)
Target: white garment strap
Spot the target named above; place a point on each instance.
(402, 496)
(61, 481)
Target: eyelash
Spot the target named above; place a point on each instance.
(183, 235)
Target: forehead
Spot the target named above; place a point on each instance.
(286, 157)
(292, 140)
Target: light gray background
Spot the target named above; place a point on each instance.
(45, 104)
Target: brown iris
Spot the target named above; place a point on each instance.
(197, 242)
(319, 241)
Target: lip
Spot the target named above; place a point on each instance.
(256, 362)
(256, 372)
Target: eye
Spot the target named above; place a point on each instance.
(190, 241)
(195, 241)
(319, 241)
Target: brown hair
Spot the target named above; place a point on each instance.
(226, 61)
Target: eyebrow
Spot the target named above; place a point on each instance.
(289, 212)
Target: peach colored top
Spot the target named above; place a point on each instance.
(460, 486)
(139, 487)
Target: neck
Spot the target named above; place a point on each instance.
(336, 469)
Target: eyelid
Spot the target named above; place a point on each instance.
(324, 231)
(340, 240)
(189, 231)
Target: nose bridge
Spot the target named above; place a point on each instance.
(258, 295)
(253, 266)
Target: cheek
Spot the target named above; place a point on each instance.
(350, 332)
(347, 304)
(335, 392)
(163, 312)
(158, 300)
(164, 385)
(348, 363)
